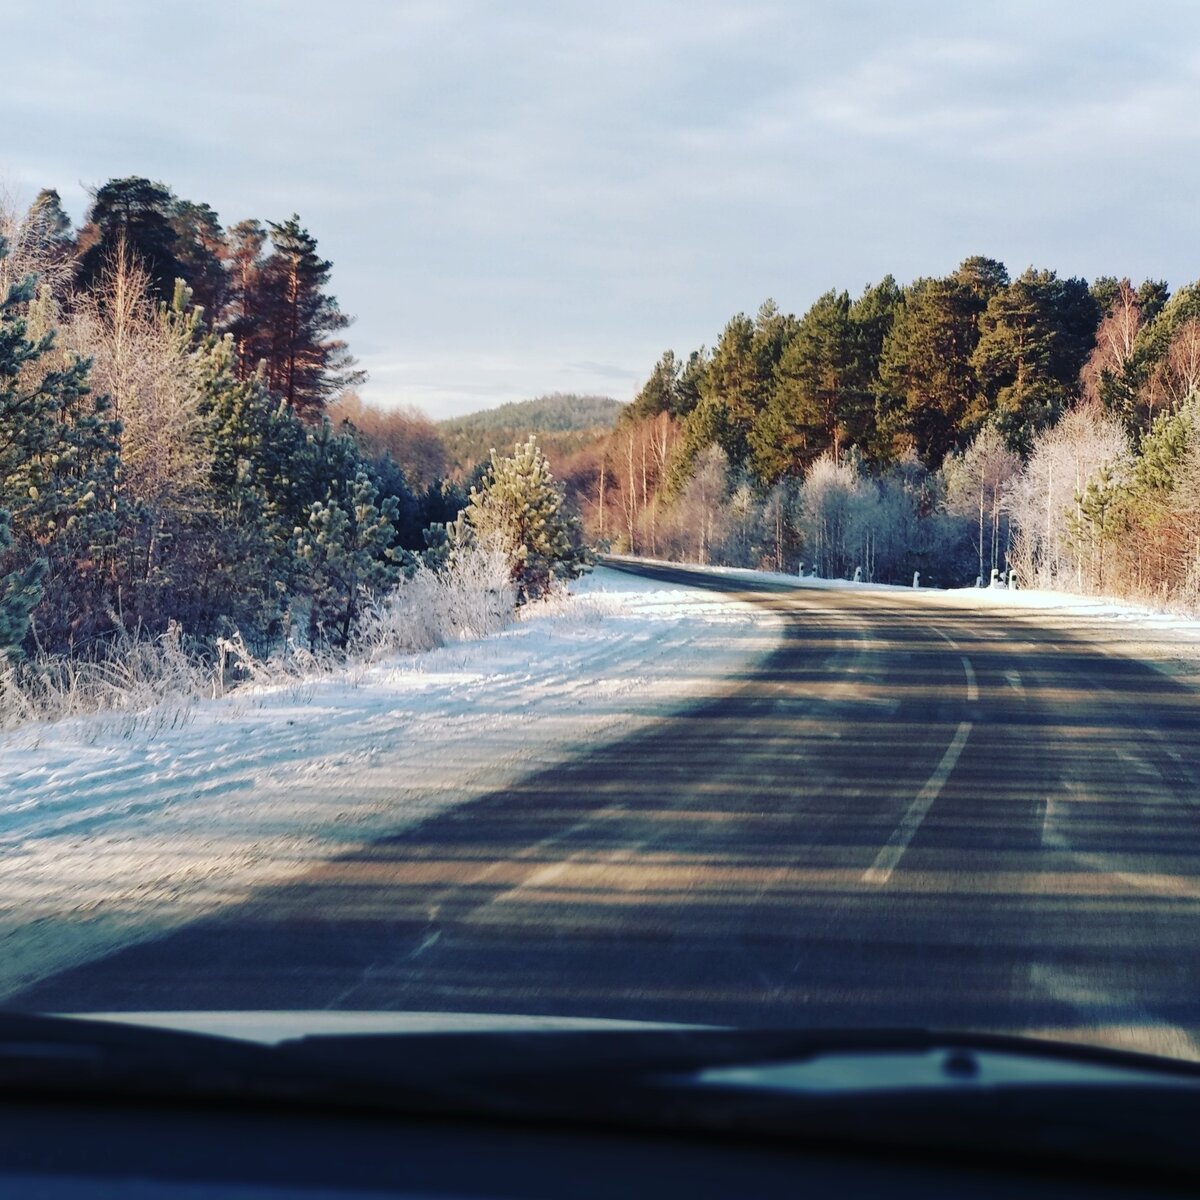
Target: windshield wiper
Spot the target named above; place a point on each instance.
(892, 1091)
(621, 1053)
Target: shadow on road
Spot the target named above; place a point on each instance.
(711, 869)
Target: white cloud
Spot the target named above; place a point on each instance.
(541, 184)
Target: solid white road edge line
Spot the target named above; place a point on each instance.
(880, 871)
(972, 685)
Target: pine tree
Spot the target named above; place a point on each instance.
(690, 386)
(739, 379)
(287, 319)
(132, 218)
(20, 591)
(57, 472)
(734, 390)
(247, 572)
(202, 250)
(247, 240)
(349, 547)
(873, 314)
(815, 400)
(1035, 336)
(983, 277)
(519, 506)
(659, 393)
(926, 364)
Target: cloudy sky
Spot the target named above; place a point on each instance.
(529, 197)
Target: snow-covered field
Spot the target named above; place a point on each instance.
(114, 828)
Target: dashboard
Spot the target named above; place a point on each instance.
(67, 1150)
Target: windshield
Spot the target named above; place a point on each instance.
(438, 579)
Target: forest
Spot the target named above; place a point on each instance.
(184, 456)
(1038, 429)
(184, 462)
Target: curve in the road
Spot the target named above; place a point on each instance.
(904, 815)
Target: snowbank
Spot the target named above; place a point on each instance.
(114, 828)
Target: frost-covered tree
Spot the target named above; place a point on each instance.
(698, 521)
(1043, 501)
(519, 506)
(140, 352)
(40, 243)
(978, 483)
(834, 510)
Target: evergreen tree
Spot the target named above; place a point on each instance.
(735, 389)
(243, 312)
(815, 399)
(737, 384)
(1153, 296)
(132, 217)
(249, 570)
(519, 506)
(348, 544)
(983, 277)
(287, 319)
(926, 365)
(690, 385)
(201, 251)
(1106, 291)
(873, 314)
(1035, 336)
(20, 591)
(659, 393)
(57, 471)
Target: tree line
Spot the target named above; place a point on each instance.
(954, 426)
(177, 442)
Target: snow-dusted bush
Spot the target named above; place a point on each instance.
(132, 674)
(291, 663)
(471, 596)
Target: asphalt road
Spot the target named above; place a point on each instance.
(905, 815)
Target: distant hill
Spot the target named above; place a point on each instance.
(562, 422)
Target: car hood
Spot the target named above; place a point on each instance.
(271, 1028)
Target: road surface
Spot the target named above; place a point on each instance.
(905, 815)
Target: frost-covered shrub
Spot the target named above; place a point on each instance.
(131, 674)
(157, 680)
(471, 596)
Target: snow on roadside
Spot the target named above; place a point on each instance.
(115, 828)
